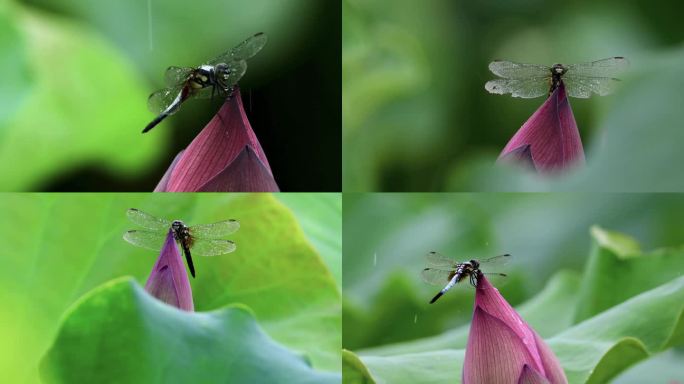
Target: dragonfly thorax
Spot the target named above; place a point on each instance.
(203, 76)
(557, 71)
(180, 230)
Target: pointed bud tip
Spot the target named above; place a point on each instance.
(496, 323)
(549, 140)
(168, 280)
(213, 152)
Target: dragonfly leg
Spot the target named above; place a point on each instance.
(475, 277)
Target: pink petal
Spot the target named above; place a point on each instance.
(161, 187)
(245, 173)
(168, 281)
(553, 369)
(215, 148)
(521, 156)
(494, 353)
(530, 376)
(488, 298)
(551, 132)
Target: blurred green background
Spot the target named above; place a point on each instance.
(416, 115)
(386, 237)
(73, 99)
(286, 269)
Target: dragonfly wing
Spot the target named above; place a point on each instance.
(496, 260)
(242, 51)
(496, 278)
(493, 267)
(436, 259)
(511, 70)
(207, 247)
(148, 221)
(583, 87)
(160, 100)
(609, 67)
(145, 239)
(435, 276)
(525, 88)
(176, 75)
(220, 229)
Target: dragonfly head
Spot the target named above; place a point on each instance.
(177, 225)
(475, 264)
(558, 69)
(223, 71)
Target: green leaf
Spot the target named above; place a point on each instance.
(616, 271)
(620, 244)
(81, 86)
(278, 274)
(64, 245)
(668, 366)
(319, 216)
(603, 346)
(119, 333)
(396, 315)
(353, 370)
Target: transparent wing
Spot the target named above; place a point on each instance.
(525, 88)
(583, 87)
(494, 266)
(242, 51)
(206, 247)
(236, 69)
(220, 229)
(436, 259)
(145, 239)
(609, 67)
(511, 70)
(496, 260)
(435, 276)
(498, 279)
(176, 75)
(159, 101)
(148, 221)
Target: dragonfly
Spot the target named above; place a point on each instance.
(201, 239)
(218, 76)
(532, 80)
(444, 270)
